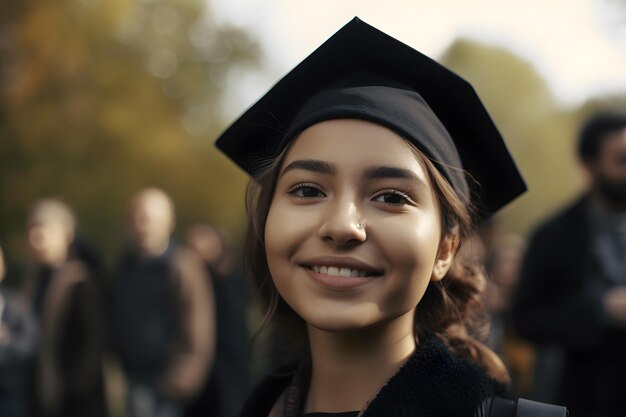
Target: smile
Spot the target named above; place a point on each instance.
(339, 272)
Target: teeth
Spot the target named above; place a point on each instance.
(344, 272)
(340, 272)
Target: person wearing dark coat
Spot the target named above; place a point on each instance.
(163, 313)
(358, 205)
(67, 379)
(572, 291)
(18, 341)
(230, 381)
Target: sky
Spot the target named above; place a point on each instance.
(577, 46)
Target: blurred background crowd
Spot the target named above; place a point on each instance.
(122, 287)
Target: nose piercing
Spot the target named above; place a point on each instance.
(359, 225)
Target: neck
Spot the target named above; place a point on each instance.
(350, 367)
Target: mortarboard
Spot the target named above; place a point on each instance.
(361, 72)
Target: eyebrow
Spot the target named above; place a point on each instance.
(381, 172)
(371, 173)
(314, 165)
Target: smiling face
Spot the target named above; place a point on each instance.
(353, 233)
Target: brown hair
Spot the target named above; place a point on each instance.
(451, 308)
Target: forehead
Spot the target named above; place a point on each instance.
(152, 202)
(353, 143)
(50, 216)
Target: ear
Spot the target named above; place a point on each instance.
(447, 250)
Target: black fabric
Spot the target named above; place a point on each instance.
(42, 283)
(358, 49)
(145, 314)
(433, 382)
(559, 302)
(345, 414)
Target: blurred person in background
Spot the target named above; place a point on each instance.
(228, 386)
(18, 338)
(572, 291)
(67, 378)
(163, 313)
(502, 264)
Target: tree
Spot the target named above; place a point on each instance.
(538, 133)
(99, 98)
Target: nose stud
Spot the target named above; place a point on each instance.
(359, 225)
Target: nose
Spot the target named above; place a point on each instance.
(343, 224)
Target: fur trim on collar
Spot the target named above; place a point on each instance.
(433, 382)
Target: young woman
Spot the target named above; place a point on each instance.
(358, 209)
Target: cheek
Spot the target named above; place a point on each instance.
(290, 231)
(274, 233)
(287, 227)
(411, 251)
(412, 245)
(283, 231)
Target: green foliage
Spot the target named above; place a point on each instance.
(539, 133)
(100, 98)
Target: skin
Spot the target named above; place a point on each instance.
(49, 239)
(152, 221)
(335, 214)
(205, 240)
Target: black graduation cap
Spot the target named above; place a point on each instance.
(361, 72)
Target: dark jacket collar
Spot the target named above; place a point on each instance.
(434, 382)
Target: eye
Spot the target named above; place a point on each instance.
(392, 198)
(306, 190)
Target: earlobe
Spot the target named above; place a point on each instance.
(445, 256)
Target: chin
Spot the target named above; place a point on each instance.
(337, 322)
(334, 321)
(337, 326)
